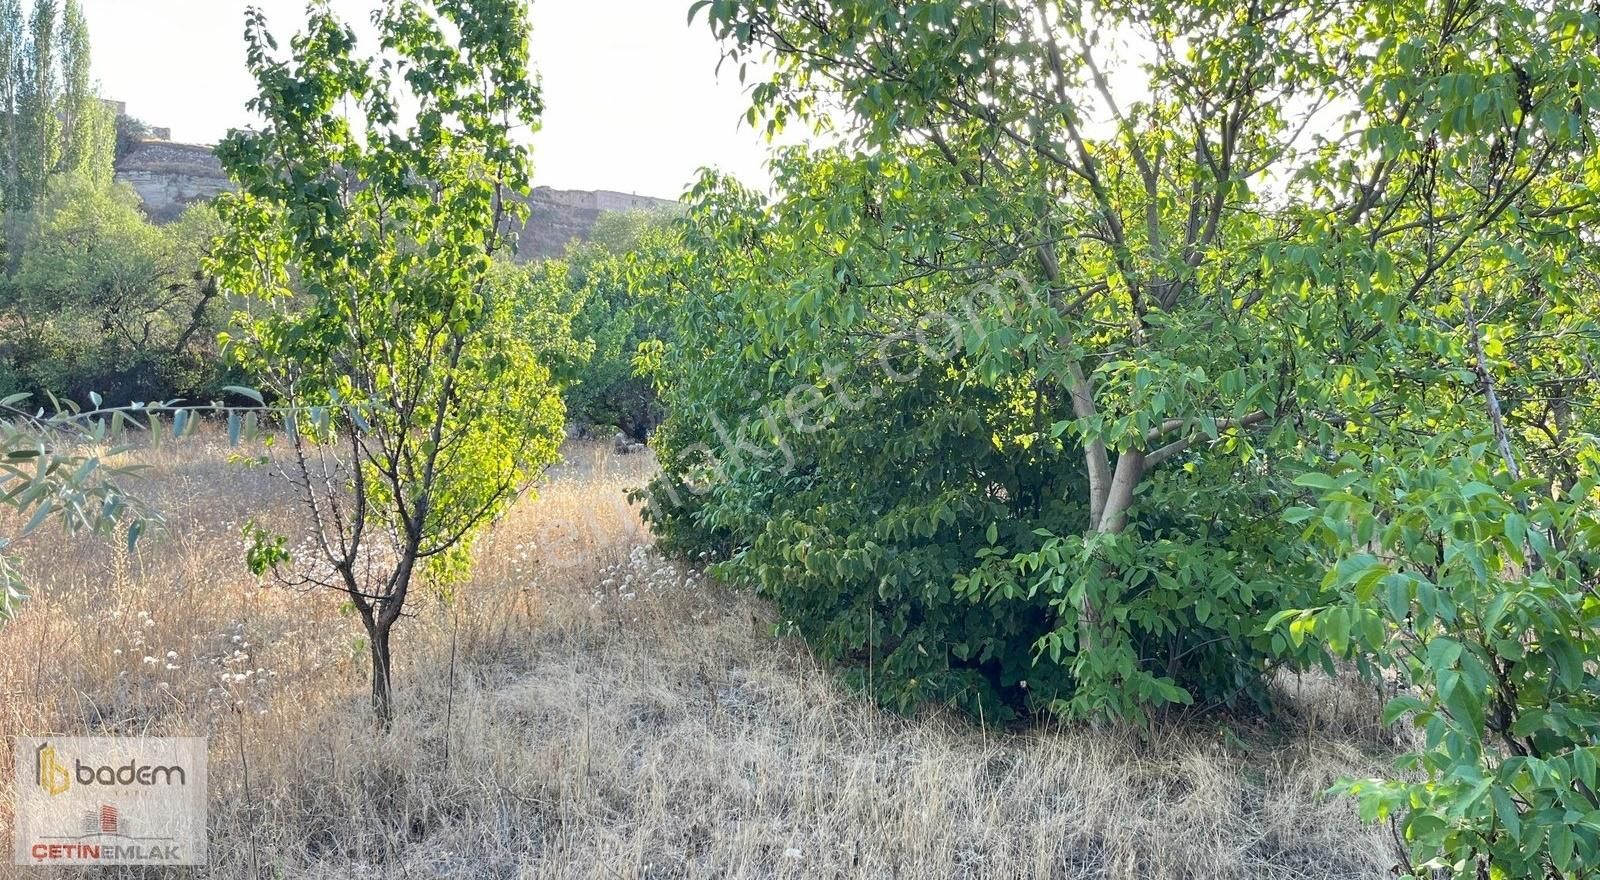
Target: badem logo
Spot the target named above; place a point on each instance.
(52, 775)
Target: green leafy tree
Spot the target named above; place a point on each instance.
(541, 310)
(1477, 590)
(378, 189)
(625, 232)
(1189, 248)
(88, 124)
(110, 304)
(1466, 564)
(615, 315)
(104, 301)
(39, 144)
(51, 117)
(13, 43)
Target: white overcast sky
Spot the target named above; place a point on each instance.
(632, 100)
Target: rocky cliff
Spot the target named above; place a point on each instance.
(169, 177)
(558, 216)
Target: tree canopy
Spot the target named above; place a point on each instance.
(1120, 354)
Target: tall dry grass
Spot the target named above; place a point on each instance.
(586, 709)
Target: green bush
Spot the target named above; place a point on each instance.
(1478, 591)
(1174, 284)
(912, 505)
(103, 301)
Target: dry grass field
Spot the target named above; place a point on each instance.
(585, 709)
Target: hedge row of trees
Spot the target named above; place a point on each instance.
(1131, 352)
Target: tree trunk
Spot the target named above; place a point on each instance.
(382, 682)
(1119, 495)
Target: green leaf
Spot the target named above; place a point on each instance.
(1515, 526)
(1315, 480)
(1506, 811)
(1399, 706)
(245, 392)
(1560, 844)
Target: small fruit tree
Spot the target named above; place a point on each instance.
(373, 200)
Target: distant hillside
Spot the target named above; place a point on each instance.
(169, 177)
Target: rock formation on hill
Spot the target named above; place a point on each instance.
(169, 177)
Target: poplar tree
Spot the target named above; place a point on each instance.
(40, 141)
(52, 120)
(87, 131)
(12, 41)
